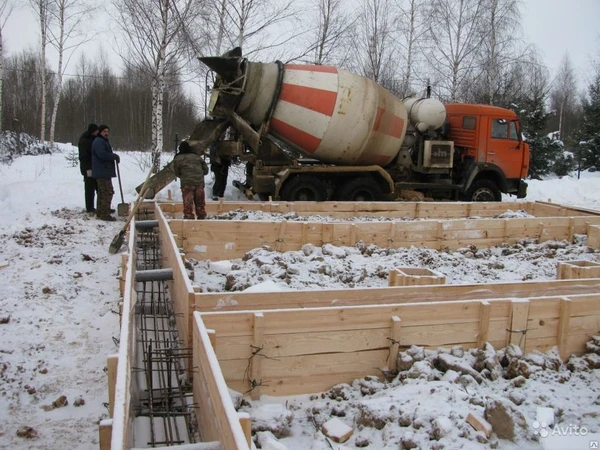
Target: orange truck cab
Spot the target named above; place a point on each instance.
(489, 148)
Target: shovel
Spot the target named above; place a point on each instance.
(117, 241)
(122, 208)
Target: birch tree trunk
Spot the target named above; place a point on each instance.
(59, 72)
(68, 16)
(158, 33)
(41, 10)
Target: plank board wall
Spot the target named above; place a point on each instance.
(219, 239)
(309, 350)
(180, 288)
(126, 387)
(407, 210)
(216, 417)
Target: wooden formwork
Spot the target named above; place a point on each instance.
(301, 342)
(117, 433)
(222, 239)
(404, 210)
(299, 351)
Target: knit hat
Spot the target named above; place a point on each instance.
(103, 127)
(184, 147)
(92, 127)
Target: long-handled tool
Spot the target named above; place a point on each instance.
(122, 208)
(117, 241)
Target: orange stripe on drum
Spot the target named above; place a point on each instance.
(388, 123)
(302, 139)
(310, 98)
(311, 68)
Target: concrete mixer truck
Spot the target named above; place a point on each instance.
(316, 133)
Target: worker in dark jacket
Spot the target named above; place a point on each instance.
(85, 165)
(191, 168)
(103, 170)
(219, 165)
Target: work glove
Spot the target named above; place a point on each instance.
(117, 158)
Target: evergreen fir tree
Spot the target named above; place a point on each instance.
(545, 152)
(589, 132)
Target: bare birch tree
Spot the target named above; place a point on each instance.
(157, 39)
(6, 9)
(455, 37)
(328, 40)
(67, 15)
(251, 24)
(42, 12)
(412, 30)
(563, 97)
(498, 54)
(375, 52)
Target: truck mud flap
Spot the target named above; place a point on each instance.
(205, 133)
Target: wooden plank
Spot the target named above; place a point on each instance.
(518, 323)
(304, 343)
(563, 327)
(111, 366)
(257, 356)
(584, 304)
(246, 424)
(576, 345)
(395, 331)
(484, 324)
(584, 325)
(391, 295)
(216, 416)
(348, 318)
(212, 336)
(105, 434)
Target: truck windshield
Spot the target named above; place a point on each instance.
(504, 129)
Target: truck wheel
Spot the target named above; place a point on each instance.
(363, 189)
(304, 189)
(484, 191)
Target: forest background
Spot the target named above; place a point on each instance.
(467, 50)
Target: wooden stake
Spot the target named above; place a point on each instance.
(395, 347)
(279, 242)
(563, 327)
(256, 362)
(484, 324)
(105, 434)
(111, 365)
(518, 322)
(571, 230)
(392, 234)
(304, 235)
(246, 424)
(353, 234)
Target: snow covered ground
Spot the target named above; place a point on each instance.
(57, 324)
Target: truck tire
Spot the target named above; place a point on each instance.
(304, 189)
(362, 189)
(484, 191)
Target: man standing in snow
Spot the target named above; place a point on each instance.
(103, 170)
(190, 168)
(85, 165)
(220, 167)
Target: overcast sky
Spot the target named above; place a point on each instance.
(556, 27)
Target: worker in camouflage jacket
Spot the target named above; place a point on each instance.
(190, 168)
